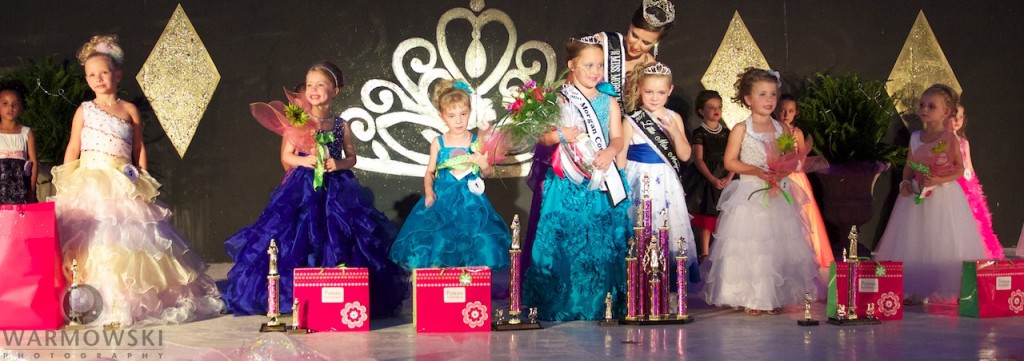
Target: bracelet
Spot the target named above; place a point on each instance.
(561, 137)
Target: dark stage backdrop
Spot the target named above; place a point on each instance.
(223, 181)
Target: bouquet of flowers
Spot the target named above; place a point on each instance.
(938, 158)
(534, 110)
(292, 121)
(785, 157)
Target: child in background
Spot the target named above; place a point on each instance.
(454, 224)
(704, 184)
(972, 188)
(931, 228)
(788, 112)
(17, 148)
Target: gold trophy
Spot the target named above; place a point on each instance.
(807, 321)
(608, 320)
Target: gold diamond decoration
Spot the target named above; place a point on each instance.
(921, 63)
(737, 52)
(179, 79)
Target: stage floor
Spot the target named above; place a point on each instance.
(717, 334)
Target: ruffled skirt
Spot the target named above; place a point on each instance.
(314, 228)
(761, 258)
(579, 253)
(461, 229)
(127, 248)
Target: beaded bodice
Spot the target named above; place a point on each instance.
(335, 148)
(752, 150)
(104, 133)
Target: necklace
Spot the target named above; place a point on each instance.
(712, 131)
(319, 119)
(116, 100)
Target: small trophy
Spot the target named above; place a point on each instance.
(841, 312)
(273, 296)
(608, 320)
(297, 328)
(846, 315)
(807, 321)
(533, 315)
(113, 325)
(871, 311)
(74, 318)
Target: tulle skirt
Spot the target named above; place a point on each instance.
(579, 253)
(665, 193)
(932, 239)
(314, 228)
(127, 248)
(761, 258)
(812, 217)
(460, 229)
(982, 216)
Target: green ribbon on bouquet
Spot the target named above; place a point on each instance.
(322, 139)
(461, 162)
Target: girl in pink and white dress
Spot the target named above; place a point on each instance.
(972, 188)
(107, 214)
(931, 229)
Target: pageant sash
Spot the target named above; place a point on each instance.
(615, 63)
(612, 182)
(657, 139)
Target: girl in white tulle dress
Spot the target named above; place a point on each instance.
(761, 259)
(107, 217)
(931, 228)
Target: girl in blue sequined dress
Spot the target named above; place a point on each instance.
(578, 255)
(454, 224)
(320, 216)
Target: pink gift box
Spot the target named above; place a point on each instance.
(32, 286)
(452, 299)
(878, 283)
(333, 299)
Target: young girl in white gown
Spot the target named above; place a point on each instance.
(761, 259)
(932, 232)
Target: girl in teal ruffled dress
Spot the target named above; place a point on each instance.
(453, 225)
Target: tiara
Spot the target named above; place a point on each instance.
(334, 76)
(592, 40)
(665, 6)
(658, 69)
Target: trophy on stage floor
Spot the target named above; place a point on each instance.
(296, 328)
(81, 304)
(847, 314)
(807, 321)
(514, 322)
(273, 293)
(647, 270)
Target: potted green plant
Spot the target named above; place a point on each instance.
(55, 90)
(848, 118)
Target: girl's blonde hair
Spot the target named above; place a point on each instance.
(102, 45)
(949, 96)
(447, 95)
(634, 79)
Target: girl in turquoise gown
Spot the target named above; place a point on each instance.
(578, 254)
(453, 225)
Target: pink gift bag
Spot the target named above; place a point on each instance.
(32, 285)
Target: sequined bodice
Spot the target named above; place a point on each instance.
(752, 150)
(336, 148)
(104, 133)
